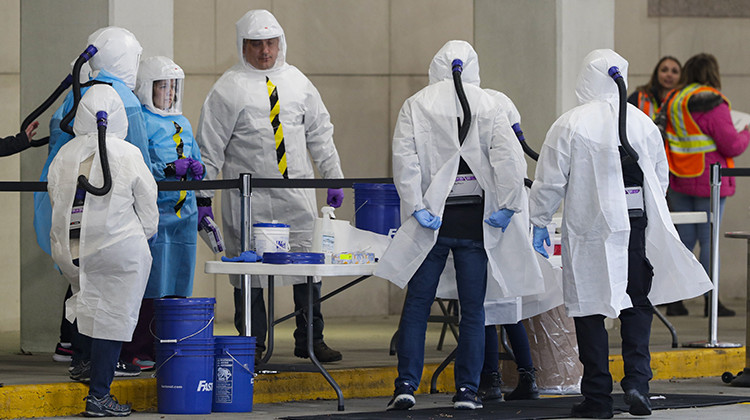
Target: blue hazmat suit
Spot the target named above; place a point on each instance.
(136, 135)
(175, 246)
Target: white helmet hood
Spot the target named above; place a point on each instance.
(118, 53)
(594, 82)
(159, 68)
(441, 67)
(97, 98)
(260, 24)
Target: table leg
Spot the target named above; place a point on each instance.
(310, 352)
(744, 379)
(269, 320)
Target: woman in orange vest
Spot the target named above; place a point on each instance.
(649, 97)
(699, 133)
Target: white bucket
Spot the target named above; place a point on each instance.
(270, 237)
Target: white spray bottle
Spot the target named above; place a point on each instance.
(328, 238)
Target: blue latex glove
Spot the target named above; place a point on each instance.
(181, 167)
(247, 256)
(541, 237)
(335, 197)
(500, 219)
(197, 168)
(427, 219)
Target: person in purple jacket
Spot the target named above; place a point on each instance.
(699, 133)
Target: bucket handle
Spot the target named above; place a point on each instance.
(177, 340)
(241, 365)
(176, 352)
(363, 204)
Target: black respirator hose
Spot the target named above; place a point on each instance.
(614, 73)
(526, 149)
(83, 58)
(45, 106)
(101, 125)
(463, 129)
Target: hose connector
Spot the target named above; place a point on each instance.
(88, 53)
(457, 65)
(614, 73)
(101, 119)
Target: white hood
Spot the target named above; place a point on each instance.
(441, 67)
(101, 98)
(594, 82)
(159, 68)
(260, 24)
(118, 53)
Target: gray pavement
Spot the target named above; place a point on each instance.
(708, 386)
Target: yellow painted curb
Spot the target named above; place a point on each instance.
(66, 399)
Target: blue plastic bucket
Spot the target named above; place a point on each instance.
(377, 208)
(234, 363)
(184, 376)
(178, 320)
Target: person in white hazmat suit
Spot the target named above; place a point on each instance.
(609, 258)
(100, 242)
(263, 116)
(508, 312)
(428, 159)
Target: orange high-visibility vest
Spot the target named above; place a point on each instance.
(647, 104)
(686, 144)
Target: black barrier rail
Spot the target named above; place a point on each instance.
(734, 172)
(224, 184)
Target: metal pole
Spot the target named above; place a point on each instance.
(245, 220)
(715, 220)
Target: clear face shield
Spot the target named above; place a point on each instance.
(167, 96)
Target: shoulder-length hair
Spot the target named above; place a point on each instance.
(703, 69)
(653, 83)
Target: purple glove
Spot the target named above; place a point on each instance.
(335, 197)
(246, 256)
(204, 209)
(181, 167)
(196, 167)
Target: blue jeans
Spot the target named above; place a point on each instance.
(470, 260)
(519, 343)
(693, 233)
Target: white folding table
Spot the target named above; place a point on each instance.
(309, 271)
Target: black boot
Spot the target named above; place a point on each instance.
(676, 309)
(526, 388)
(721, 310)
(489, 387)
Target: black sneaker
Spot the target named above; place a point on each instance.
(106, 406)
(638, 403)
(489, 387)
(466, 399)
(590, 410)
(126, 369)
(323, 353)
(63, 353)
(403, 398)
(81, 372)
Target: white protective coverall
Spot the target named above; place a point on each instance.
(235, 136)
(510, 310)
(114, 256)
(424, 171)
(580, 162)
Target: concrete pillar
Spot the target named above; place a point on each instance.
(532, 51)
(53, 34)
